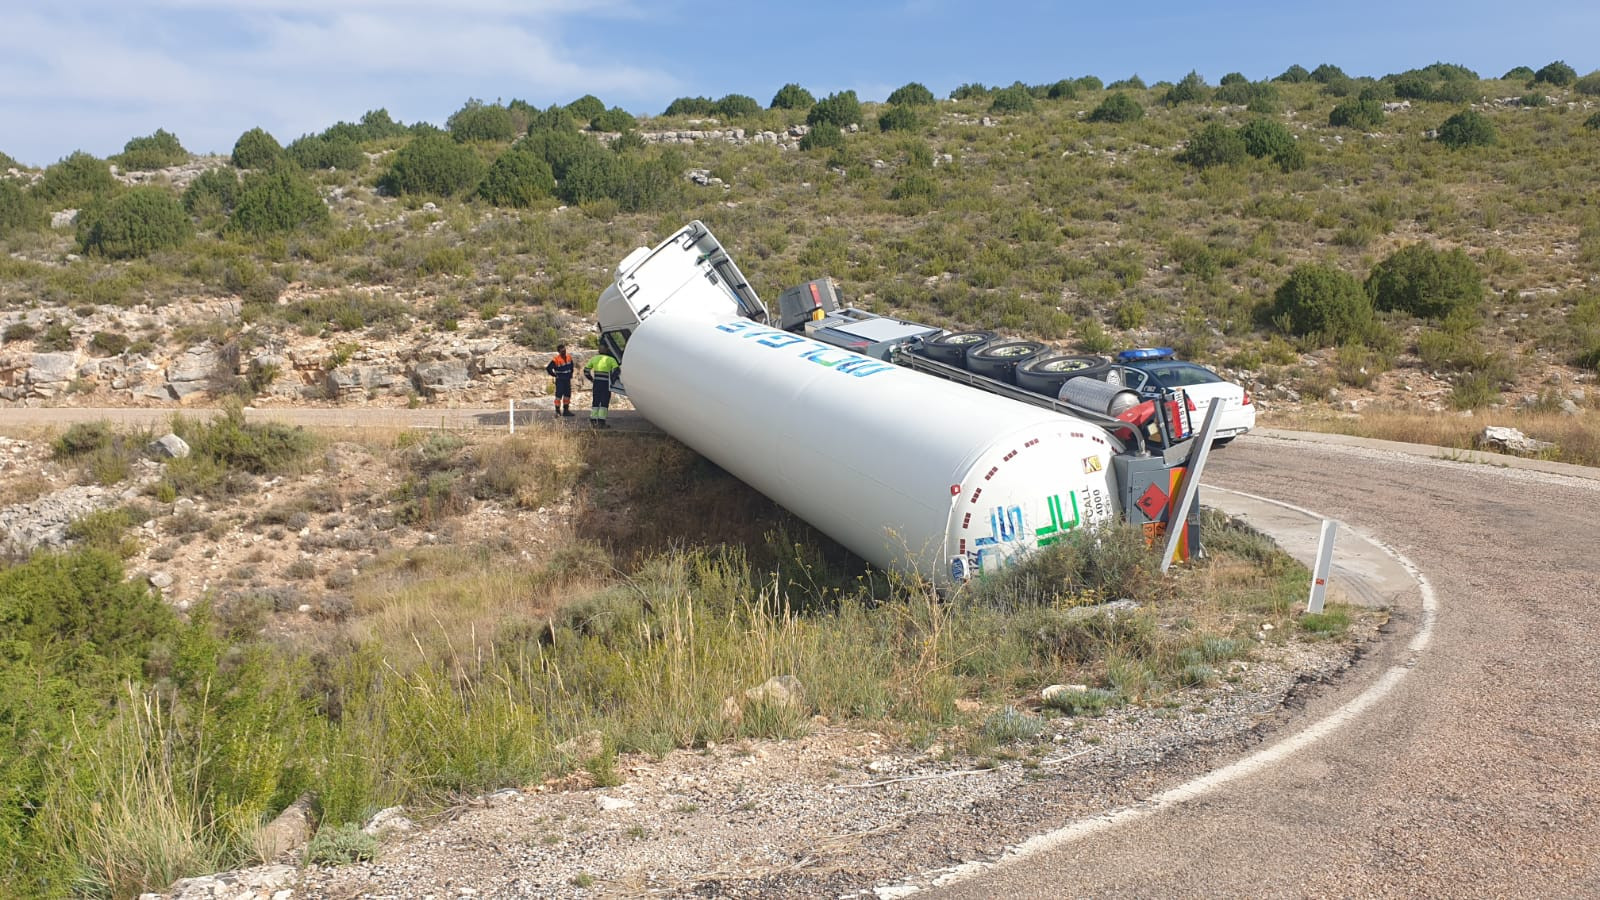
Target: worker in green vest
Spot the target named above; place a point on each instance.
(599, 370)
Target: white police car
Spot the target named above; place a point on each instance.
(1154, 368)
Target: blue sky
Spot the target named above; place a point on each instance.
(89, 74)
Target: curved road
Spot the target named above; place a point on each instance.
(1474, 776)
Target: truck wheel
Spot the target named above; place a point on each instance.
(951, 349)
(999, 359)
(1046, 373)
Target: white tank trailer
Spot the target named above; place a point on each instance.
(911, 472)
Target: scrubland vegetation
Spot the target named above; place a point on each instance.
(1303, 228)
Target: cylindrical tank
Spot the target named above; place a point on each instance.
(907, 470)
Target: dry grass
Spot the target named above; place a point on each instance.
(1577, 437)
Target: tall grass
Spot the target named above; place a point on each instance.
(1576, 437)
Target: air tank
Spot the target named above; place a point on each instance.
(911, 472)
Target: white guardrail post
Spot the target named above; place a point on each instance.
(1319, 575)
(511, 417)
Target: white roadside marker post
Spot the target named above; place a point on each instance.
(1319, 575)
(511, 417)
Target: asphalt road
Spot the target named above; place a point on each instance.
(1459, 759)
(1475, 775)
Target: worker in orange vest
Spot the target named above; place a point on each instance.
(561, 368)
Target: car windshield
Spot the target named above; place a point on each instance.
(1180, 374)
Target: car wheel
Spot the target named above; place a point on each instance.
(1044, 374)
(951, 349)
(999, 359)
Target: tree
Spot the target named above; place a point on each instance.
(1295, 74)
(827, 136)
(1191, 89)
(586, 107)
(1090, 83)
(1327, 72)
(792, 96)
(1234, 78)
(1425, 282)
(912, 93)
(736, 106)
(278, 200)
(1118, 107)
(1520, 73)
(519, 177)
(1323, 303)
(75, 181)
(376, 125)
(326, 151)
(1214, 145)
(17, 208)
(213, 192)
(840, 109)
(135, 223)
(1557, 73)
(1265, 138)
(689, 106)
(1014, 99)
(433, 164)
(1065, 89)
(1363, 115)
(479, 121)
(616, 119)
(154, 151)
(898, 118)
(256, 149)
(1467, 128)
(1588, 85)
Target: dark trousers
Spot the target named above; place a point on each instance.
(563, 387)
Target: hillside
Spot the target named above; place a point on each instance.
(443, 267)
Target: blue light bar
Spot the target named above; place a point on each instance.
(1146, 353)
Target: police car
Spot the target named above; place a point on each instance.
(1150, 369)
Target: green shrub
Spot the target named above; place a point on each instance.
(1520, 73)
(1013, 99)
(18, 331)
(320, 151)
(736, 106)
(108, 343)
(378, 125)
(341, 845)
(1065, 89)
(1190, 89)
(1233, 78)
(912, 93)
(1090, 83)
(585, 108)
(1593, 122)
(1214, 145)
(969, 91)
(1268, 139)
(75, 181)
(792, 96)
(554, 119)
(616, 119)
(213, 192)
(1090, 702)
(1131, 83)
(1362, 115)
(1326, 73)
(276, 201)
(840, 110)
(136, 223)
(899, 118)
(914, 185)
(18, 210)
(56, 337)
(1323, 303)
(1009, 725)
(1588, 85)
(433, 164)
(1295, 74)
(256, 149)
(478, 121)
(1467, 128)
(260, 448)
(154, 151)
(689, 106)
(1118, 107)
(1557, 73)
(81, 439)
(1535, 99)
(105, 530)
(519, 178)
(826, 136)
(1425, 282)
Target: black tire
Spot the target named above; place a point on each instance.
(999, 359)
(951, 349)
(1047, 372)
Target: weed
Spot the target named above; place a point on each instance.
(1090, 702)
(341, 845)
(1331, 622)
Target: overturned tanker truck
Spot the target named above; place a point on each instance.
(876, 430)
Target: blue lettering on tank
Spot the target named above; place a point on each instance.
(815, 351)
